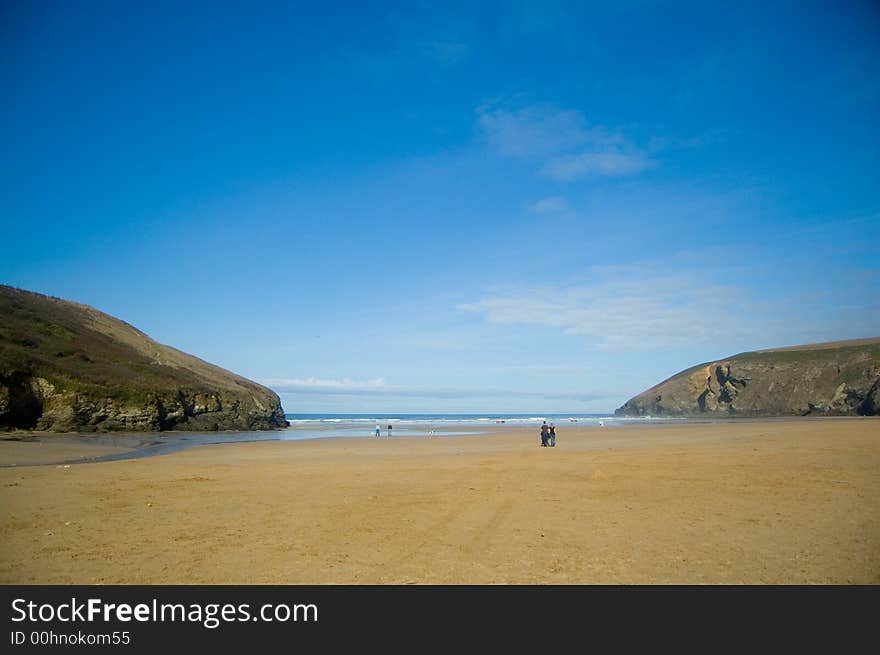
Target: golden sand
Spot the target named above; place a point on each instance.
(794, 501)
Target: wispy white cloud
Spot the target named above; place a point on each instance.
(608, 164)
(535, 131)
(652, 310)
(562, 140)
(378, 387)
(632, 310)
(550, 205)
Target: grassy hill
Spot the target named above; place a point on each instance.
(832, 379)
(66, 367)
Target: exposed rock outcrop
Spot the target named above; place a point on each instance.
(68, 367)
(836, 379)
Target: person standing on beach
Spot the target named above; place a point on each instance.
(545, 433)
(378, 431)
(389, 429)
(552, 436)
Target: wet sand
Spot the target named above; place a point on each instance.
(789, 502)
(39, 452)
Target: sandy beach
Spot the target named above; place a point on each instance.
(778, 501)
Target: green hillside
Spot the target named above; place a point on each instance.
(66, 366)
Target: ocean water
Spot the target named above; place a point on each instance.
(450, 420)
(404, 425)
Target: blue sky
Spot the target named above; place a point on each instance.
(473, 207)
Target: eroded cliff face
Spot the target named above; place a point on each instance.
(715, 386)
(35, 403)
(28, 402)
(823, 381)
(67, 367)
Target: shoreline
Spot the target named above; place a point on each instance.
(765, 502)
(73, 448)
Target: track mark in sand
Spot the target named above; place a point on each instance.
(480, 542)
(473, 531)
(483, 534)
(465, 526)
(424, 539)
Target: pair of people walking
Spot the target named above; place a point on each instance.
(379, 432)
(548, 435)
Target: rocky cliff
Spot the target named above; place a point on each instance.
(68, 367)
(830, 379)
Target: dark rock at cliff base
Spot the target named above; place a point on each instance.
(829, 379)
(68, 367)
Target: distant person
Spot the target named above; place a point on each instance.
(389, 430)
(378, 430)
(552, 436)
(545, 434)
